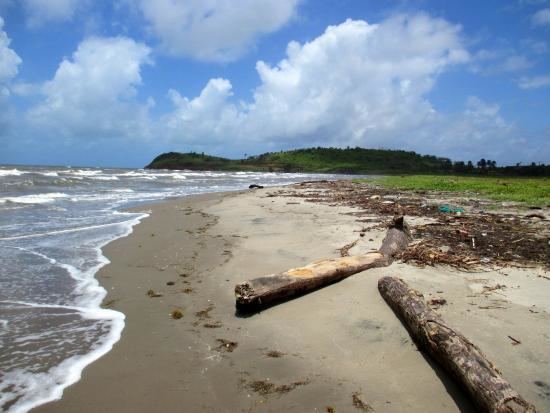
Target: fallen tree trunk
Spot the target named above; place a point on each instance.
(266, 290)
(462, 359)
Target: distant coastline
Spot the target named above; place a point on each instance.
(343, 161)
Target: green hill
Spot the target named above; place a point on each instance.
(325, 160)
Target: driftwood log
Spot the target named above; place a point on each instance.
(269, 289)
(458, 356)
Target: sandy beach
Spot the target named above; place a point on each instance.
(339, 349)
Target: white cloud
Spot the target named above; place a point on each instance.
(541, 18)
(515, 63)
(536, 46)
(492, 62)
(9, 60)
(40, 12)
(356, 84)
(214, 30)
(534, 82)
(93, 94)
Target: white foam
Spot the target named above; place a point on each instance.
(34, 389)
(139, 175)
(105, 178)
(10, 172)
(86, 172)
(66, 231)
(45, 198)
(123, 190)
(50, 174)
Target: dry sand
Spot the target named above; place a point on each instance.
(310, 354)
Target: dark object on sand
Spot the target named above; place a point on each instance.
(255, 186)
(258, 292)
(458, 356)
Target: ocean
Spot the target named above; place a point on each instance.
(53, 223)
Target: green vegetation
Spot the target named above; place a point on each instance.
(531, 191)
(322, 160)
(350, 161)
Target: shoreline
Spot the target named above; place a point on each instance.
(308, 354)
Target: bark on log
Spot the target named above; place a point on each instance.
(458, 356)
(266, 290)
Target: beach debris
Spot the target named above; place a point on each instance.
(204, 314)
(187, 290)
(450, 209)
(108, 304)
(344, 251)
(330, 409)
(437, 302)
(226, 345)
(216, 324)
(153, 294)
(462, 359)
(266, 387)
(176, 314)
(360, 404)
(255, 186)
(539, 216)
(515, 341)
(509, 240)
(258, 292)
(274, 354)
(170, 283)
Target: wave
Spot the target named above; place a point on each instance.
(105, 178)
(34, 199)
(85, 172)
(11, 172)
(27, 390)
(64, 231)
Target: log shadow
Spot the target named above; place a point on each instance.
(455, 390)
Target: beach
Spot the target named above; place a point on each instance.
(340, 348)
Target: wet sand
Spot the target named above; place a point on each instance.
(332, 349)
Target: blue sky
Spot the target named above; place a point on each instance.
(114, 83)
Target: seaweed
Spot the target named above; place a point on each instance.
(176, 314)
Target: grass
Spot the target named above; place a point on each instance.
(530, 191)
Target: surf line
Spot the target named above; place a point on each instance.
(65, 231)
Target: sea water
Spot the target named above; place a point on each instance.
(53, 223)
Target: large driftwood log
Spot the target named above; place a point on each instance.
(462, 359)
(266, 290)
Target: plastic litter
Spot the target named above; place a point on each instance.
(450, 209)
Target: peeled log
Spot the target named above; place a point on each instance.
(266, 290)
(458, 356)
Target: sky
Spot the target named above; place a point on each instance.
(115, 83)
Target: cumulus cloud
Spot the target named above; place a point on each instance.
(9, 60)
(534, 82)
(214, 30)
(92, 95)
(541, 18)
(356, 84)
(40, 12)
